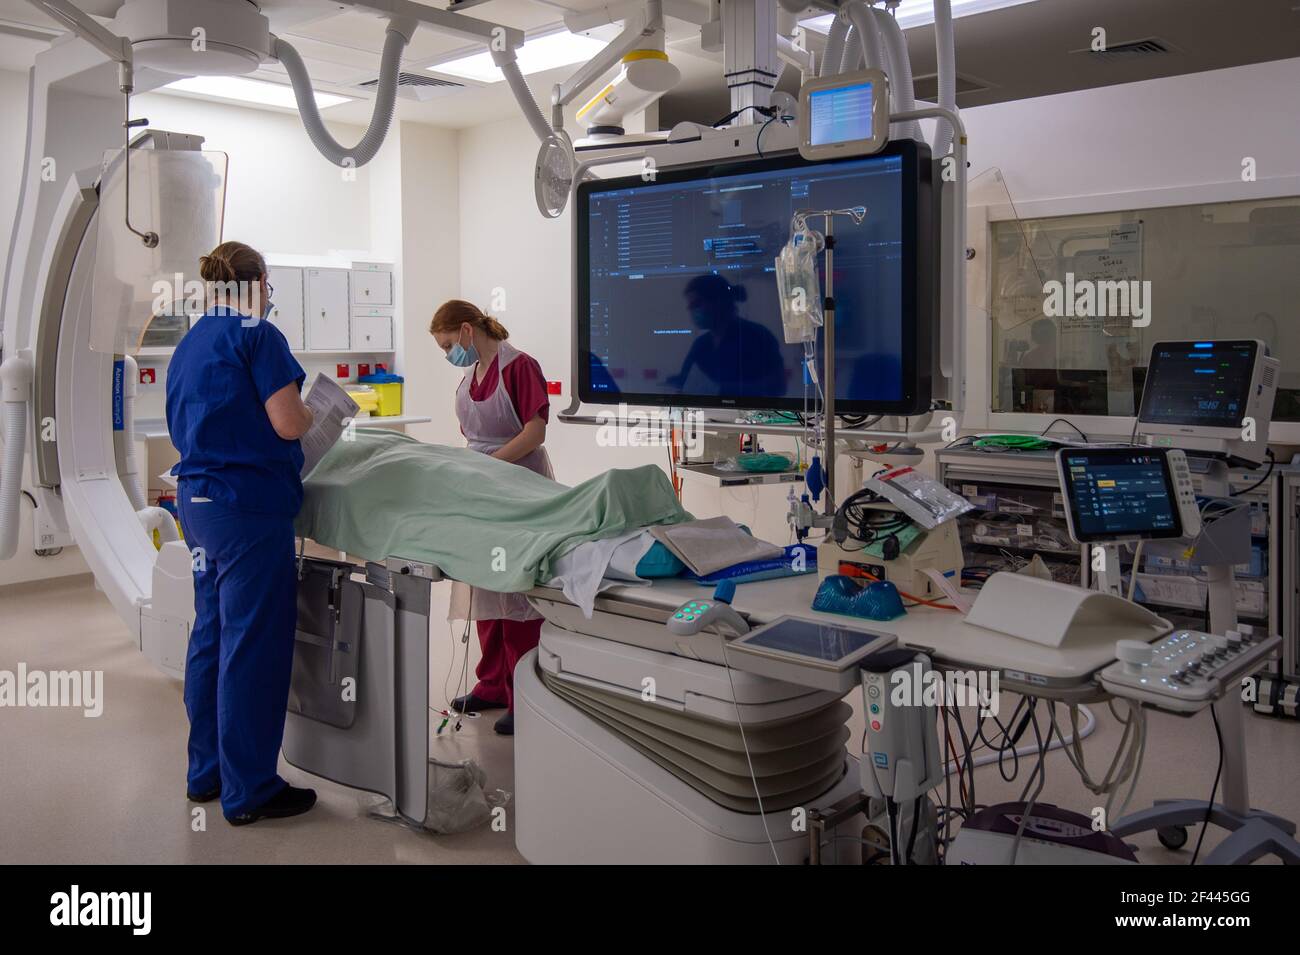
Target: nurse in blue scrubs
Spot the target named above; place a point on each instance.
(235, 414)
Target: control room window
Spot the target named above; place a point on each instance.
(1077, 301)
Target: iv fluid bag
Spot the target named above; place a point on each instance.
(799, 288)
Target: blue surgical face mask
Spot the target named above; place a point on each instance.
(462, 357)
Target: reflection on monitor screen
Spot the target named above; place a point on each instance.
(678, 288)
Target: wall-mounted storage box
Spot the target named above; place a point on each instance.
(372, 329)
(372, 283)
(287, 303)
(328, 312)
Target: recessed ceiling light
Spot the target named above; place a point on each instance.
(918, 13)
(245, 90)
(537, 54)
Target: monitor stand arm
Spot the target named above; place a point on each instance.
(1110, 573)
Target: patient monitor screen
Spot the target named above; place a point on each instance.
(841, 114)
(677, 294)
(1119, 494)
(1198, 383)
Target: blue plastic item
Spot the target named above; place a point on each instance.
(380, 378)
(795, 559)
(815, 479)
(878, 600)
(659, 561)
(725, 591)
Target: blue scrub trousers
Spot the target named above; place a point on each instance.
(241, 650)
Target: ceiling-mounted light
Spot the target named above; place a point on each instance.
(243, 90)
(537, 54)
(919, 13)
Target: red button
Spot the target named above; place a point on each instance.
(875, 724)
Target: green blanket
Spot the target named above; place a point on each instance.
(487, 522)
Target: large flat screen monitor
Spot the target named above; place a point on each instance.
(676, 292)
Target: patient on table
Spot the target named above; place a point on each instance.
(489, 523)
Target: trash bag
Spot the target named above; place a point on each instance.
(458, 801)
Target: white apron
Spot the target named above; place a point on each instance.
(489, 425)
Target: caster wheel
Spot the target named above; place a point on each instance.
(1172, 837)
(875, 848)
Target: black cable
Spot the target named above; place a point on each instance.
(769, 111)
(1267, 474)
(758, 140)
(966, 753)
(867, 524)
(941, 833)
(1214, 790)
(1133, 437)
(1005, 744)
(28, 494)
(891, 808)
(916, 822)
(1063, 421)
(1040, 770)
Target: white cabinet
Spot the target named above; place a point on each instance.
(287, 303)
(372, 329)
(327, 310)
(371, 285)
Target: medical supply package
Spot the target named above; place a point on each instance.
(921, 498)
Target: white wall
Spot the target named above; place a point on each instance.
(430, 266)
(1189, 130)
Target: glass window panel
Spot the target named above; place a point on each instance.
(1218, 270)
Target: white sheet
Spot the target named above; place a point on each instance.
(596, 565)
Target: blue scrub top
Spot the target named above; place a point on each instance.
(218, 381)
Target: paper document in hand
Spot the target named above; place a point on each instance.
(333, 410)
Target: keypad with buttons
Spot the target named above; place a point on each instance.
(1187, 668)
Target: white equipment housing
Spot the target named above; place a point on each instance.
(605, 744)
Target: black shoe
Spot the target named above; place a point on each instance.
(506, 725)
(206, 796)
(473, 703)
(289, 801)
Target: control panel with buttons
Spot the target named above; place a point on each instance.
(1186, 670)
(696, 615)
(1189, 514)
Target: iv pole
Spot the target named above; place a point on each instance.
(857, 214)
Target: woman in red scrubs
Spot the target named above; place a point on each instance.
(503, 409)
